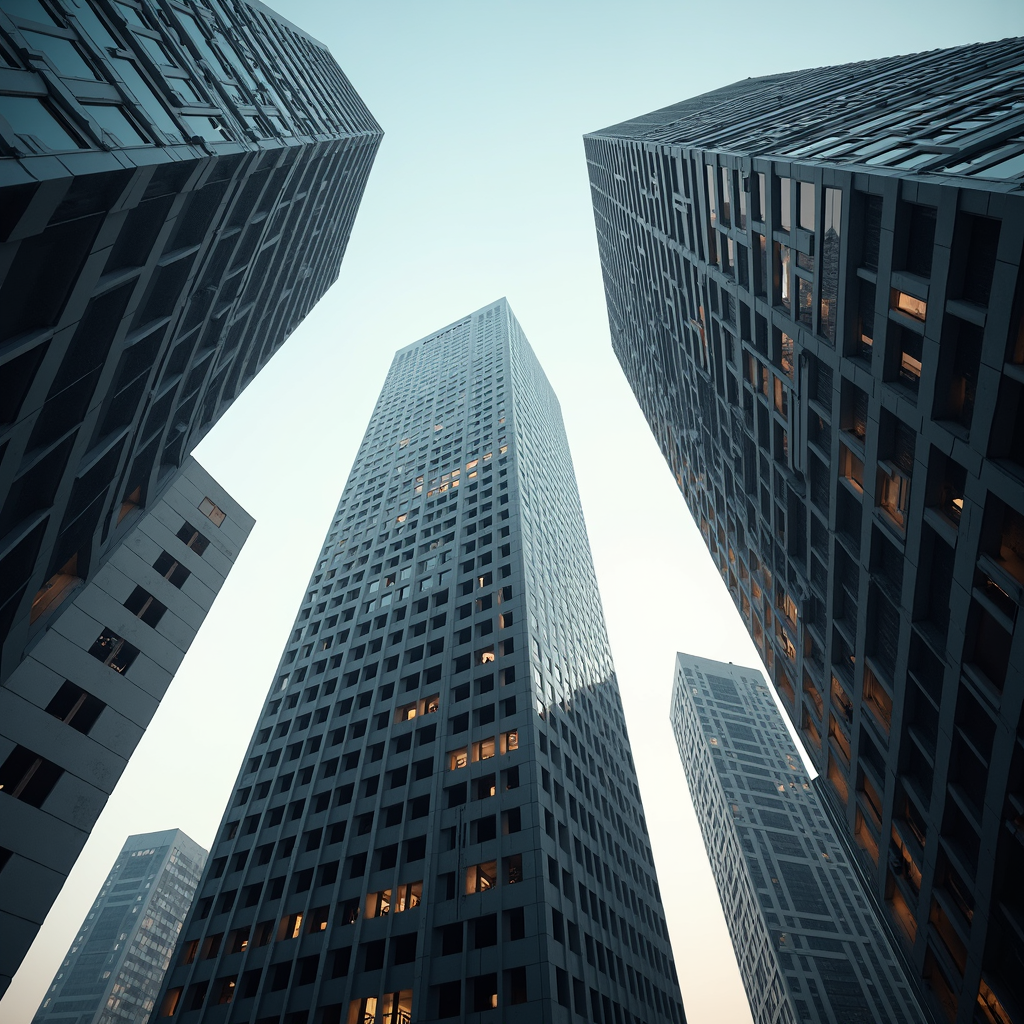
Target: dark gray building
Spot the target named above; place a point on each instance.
(73, 711)
(438, 816)
(807, 941)
(115, 965)
(814, 289)
(178, 182)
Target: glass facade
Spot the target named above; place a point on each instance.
(814, 288)
(438, 816)
(116, 964)
(808, 944)
(178, 184)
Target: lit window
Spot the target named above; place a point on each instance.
(458, 758)
(917, 308)
(212, 512)
(481, 877)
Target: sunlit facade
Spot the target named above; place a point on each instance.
(116, 964)
(438, 816)
(814, 288)
(807, 943)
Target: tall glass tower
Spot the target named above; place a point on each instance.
(438, 816)
(116, 964)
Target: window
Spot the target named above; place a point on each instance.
(290, 927)
(805, 195)
(192, 538)
(893, 493)
(458, 758)
(906, 303)
(142, 604)
(56, 588)
(73, 706)
(26, 776)
(212, 512)
(484, 749)
(481, 877)
(510, 741)
(114, 651)
(168, 567)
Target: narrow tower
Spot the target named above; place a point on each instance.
(438, 816)
(116, 964)
(808, 945)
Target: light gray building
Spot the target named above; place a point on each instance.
(438, 816)
(808, 944)
(116, 963)
(73, 711)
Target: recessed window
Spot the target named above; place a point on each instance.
(192, 538)
(212, 512)
(171, 569)
(26, 776)
(73, 706)
(114, 651)
(906, 303)
(142, 604)
(56, 588)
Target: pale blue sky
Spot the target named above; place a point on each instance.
(480, 190)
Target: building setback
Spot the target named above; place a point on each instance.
(438, 816)
(814, 289)
(808, 944)
(178, 184)
(72, 713)
(115, 966)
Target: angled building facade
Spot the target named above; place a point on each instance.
(438, 816)
(116, 964)
(74, 710)
(814, 288)
(178, 185)
(808, 943)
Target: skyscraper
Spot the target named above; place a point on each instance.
(814, 289)
(808, 943)
(73, 711)
(115, 965)
(438, 815)
(177, 187)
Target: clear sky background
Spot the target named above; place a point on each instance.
(480, 190)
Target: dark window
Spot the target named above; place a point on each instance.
(192, 538)
(74, 707)
(171, 569)
(27, 776)
(114, 651)
(142, 604)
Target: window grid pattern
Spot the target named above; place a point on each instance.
(808, 945)
(830, 359)
(441, 779)
(218, 162)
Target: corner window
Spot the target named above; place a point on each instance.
(212, 512)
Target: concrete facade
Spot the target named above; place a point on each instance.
(178, 185)
(438, 816)
(73, 711)
(807, 941)
(814, 288)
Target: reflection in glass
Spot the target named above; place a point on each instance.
(830, 245)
